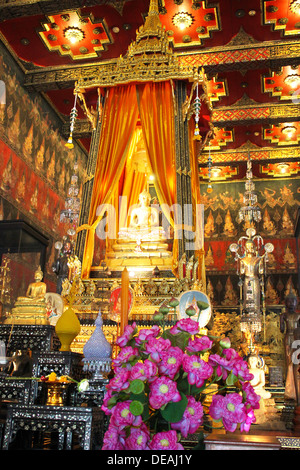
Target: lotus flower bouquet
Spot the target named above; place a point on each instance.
(160, 375)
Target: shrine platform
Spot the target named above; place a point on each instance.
(255, 440)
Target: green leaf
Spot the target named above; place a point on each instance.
(179, 339)
(183, 385)
(136, 386)
(136, 408)
(173, 412)
(231, 379)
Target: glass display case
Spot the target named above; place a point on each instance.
(22, 251)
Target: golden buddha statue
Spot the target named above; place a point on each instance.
(144, 241)
(31, 308)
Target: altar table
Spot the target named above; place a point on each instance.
(87, 423)
(241, 442)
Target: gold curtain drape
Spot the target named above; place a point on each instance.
(156, 107)
(135, 180)
(118, 124)
(153, 102)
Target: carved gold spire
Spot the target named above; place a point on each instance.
(149, 58)
(151, 37)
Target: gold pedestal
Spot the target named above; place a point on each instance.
(31, 314)
(144, 257)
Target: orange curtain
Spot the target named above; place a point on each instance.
(118, 124)
(156, 107)
(135, 180)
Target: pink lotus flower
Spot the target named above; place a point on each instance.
(155, 346)
(240, 370)
(120, 380)
(146, 333)
(138, 438)
(114, 439)
(231, 362)
(230, 409)
(124, 357)
(221, 365)
(165, 441)
(185, 324)
(129, 331)
(122, 416)
(192, 418)
(199, 344)
(250, 395)
(105, 405)
(162, 391)
(170, 361)
(250, 418)
(197, 369)
(146, 370)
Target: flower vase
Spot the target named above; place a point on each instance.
(67, 328)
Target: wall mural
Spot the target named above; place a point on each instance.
(35, 165)
(279, 201)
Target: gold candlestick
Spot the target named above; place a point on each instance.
(124, 300)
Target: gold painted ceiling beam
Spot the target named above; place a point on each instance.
(213, 60)
(16, 8)
(255, 114)
(241, 154)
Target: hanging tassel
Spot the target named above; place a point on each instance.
(209, 187)
(73, 116)
(70, 144)
(197, 108)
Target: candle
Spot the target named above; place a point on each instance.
(124, 300)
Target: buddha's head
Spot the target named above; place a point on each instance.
(38, 275)
(145, 198)
(250, 247)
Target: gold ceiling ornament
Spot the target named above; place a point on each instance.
(293, 79)
(149, 58)
(288, 130)
(295, 6)
(283, 167)
(74, 34)
(183, 20)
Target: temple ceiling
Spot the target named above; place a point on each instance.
(249, 51)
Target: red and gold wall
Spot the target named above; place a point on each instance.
(35, 165)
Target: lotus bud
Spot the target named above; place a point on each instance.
(202, 305)
(174, 302)
(190, 311)
(225, 343)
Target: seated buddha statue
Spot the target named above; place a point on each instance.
(31, 308)
(143, 237)
(144, 221)
(36, 290)
(258, 382)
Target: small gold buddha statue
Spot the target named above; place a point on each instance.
(31, 308)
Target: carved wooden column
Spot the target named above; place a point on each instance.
(183, 172)
(88, 190)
